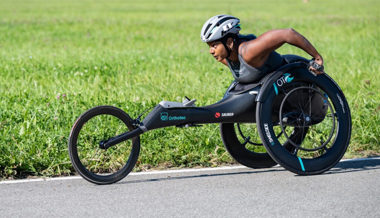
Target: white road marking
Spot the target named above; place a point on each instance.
(156, 172)
(130, 174)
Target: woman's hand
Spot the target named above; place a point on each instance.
(318, 60)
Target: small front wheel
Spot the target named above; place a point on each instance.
(93, 163)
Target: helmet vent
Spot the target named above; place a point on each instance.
(224, 19)
(208, 26)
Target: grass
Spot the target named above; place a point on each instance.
(60, 58)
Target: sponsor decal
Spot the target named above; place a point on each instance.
(227, 27)
(268, 134)
(341, 102)
(286, 78)
(165, 117)
(218, 114)
(177, 118)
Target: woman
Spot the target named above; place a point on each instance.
(250, 58)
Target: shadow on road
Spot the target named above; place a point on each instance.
(348, 166)
(355, 166)
(211, 174)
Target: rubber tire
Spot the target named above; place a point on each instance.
(75, 131)
(291, 162)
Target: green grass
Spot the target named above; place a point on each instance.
(59, 58)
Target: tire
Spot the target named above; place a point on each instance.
(102, 166)
(323, 117)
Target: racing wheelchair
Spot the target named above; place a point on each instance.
(291, 117)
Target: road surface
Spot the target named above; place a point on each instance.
(351, 189)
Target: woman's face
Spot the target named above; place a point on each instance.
(217, 50)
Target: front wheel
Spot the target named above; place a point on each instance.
(95, 164)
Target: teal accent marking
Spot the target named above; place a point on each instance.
(273, 144)
(164, 116)
(288, 79)
(326, 98)
(303, 168)
(275, 88)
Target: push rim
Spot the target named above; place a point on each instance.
(303, 119)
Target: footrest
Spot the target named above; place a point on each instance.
(173, 104)
(190, 103)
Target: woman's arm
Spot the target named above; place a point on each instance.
(256, 52)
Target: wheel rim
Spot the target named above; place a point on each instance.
(98, 162)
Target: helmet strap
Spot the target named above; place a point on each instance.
(224, 42)
(227, 48)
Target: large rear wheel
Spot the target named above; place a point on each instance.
(315, 107)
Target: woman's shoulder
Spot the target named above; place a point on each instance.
(244, 39)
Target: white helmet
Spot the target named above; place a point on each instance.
(219, 26)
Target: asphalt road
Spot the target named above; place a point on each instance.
(351, 189)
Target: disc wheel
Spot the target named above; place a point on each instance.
(243, 143)
(97, 165)
(317, 109)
